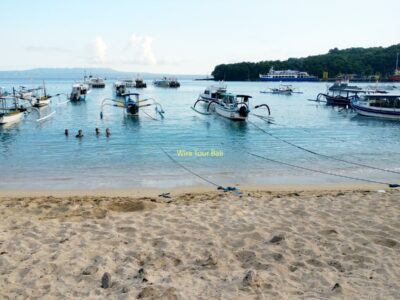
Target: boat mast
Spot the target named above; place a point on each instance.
(397, 62)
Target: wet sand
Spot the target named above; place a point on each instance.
(201, 244)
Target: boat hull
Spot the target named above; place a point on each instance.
(10, 118)
(395, 78)
(382, 113)
(230, 114)
(337, 101)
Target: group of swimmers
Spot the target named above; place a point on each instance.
(80, 132)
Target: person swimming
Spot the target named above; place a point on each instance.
(97, 131)
(66, 132)
(108, 133)
(80, 134)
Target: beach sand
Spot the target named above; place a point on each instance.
(304, 244)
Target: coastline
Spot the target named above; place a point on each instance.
(154, 192)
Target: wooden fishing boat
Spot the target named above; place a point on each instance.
(10, 111)
(378, 105)
(341, 94)
(230, 106)
(131, 104)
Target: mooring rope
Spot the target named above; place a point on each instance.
(391, 185)
(323, 155)
(219, 187)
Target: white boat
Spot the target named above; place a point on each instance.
(95, 82)
(40, 98)
(10, 112)
(79, 92)
(120, 88)
(213, 92)
(234, 107)
(379, 105)
(287, 75)
(135, 83)
(167, 82)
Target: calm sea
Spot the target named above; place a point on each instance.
(37, 155)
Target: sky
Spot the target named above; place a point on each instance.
(186, 37)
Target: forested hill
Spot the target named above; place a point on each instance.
(362, 61)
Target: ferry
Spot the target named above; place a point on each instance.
(287, 75)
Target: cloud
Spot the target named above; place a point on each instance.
(100, 49)
(140, 50)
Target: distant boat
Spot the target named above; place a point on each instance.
(167, 82)
(283, 89)
(120, 88)
(79, 92)
(95, 82)
(135, 83)
(378, 105)
(396, 75)
(287, 75)
(213, 92)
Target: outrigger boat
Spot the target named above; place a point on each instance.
(379, 105)
(120, 88)
(40, 98)
(167, 82)
(340, 94)
(10, 113)
(234, 107)
(132, 105)
(79, 92)
(213, 93)
(283, 89)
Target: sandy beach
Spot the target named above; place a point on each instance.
(340, 243)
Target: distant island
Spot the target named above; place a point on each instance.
(359, 63)
(79, 73)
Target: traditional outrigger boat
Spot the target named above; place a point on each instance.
(120, 88)
(233, 107)
(283, 89)
(79, 92)
(132, 105)
(10, 113)
(340, 94)
(213, 93)
(379, 105)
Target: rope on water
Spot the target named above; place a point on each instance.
(391, 185)
(323, 155)
(228, 188)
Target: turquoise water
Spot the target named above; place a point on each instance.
(37, 155)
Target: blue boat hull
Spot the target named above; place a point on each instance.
(290, 79)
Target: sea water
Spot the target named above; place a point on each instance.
(37, 155)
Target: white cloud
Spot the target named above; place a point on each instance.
(100, 49)
(140, 50)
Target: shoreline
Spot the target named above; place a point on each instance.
(177, 191)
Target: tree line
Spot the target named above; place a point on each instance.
(361, 61)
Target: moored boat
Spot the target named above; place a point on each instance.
(95, 82)
(341, 94)
(131, 104)
(79, 92)
(120, 88)
(10, 111)
(167, 82)
(379, 105)
(213, 92)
